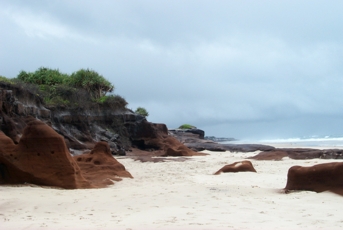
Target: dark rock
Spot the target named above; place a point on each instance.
(247, 147)
(199, 132)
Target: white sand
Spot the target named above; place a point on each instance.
(178, 195)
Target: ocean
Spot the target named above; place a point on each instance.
(313, 141)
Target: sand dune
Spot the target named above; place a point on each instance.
(178, 195)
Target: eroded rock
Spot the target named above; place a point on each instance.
(42, 158)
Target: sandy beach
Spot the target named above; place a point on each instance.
(178, 195)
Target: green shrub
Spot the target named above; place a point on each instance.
(187, 126)
(113, 101)
(6, 80)
(142, 111)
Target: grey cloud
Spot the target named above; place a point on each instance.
(244, 68)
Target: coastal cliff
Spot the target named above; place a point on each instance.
(82, 127)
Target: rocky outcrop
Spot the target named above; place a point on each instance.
(299, 154)
(317, 178)
(241, 166)
(41, 157)
(155, 139)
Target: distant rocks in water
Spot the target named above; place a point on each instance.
(220, 139)
(187, 135)
(241, 166)
(194, 141)
(299, 153)
(41, 157)
(317, 178)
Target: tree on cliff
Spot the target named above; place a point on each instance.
(95, 84)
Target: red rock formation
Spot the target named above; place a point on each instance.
(173, 147)
(241, 166)
(99, 167)
(317, 178)
(42, 158)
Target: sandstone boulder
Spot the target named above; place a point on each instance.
(241, 166)
(99, 166)
(317, 178)
(173, 147)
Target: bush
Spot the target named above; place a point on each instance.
(187, 126)
(112, 101)
(142, 111)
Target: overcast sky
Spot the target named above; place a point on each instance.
(245, 69)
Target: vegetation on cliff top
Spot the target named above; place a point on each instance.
(83, 87)
(142, 111)
(187, 126)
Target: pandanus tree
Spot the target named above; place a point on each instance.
(95, 84)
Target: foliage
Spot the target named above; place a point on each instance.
(187, 126)
(84, 87)
(43, 76)
(142, 111)
(95, 84)
(6, 80)
(112, 101)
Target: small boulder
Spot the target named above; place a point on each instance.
(241, 166)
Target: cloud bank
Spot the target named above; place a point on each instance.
(244, 69)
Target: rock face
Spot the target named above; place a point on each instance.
(317, 178)
(41, 157)
(82, 128)
(241, 166)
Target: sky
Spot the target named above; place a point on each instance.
(245, 69)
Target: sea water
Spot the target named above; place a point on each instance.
(312, 141)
